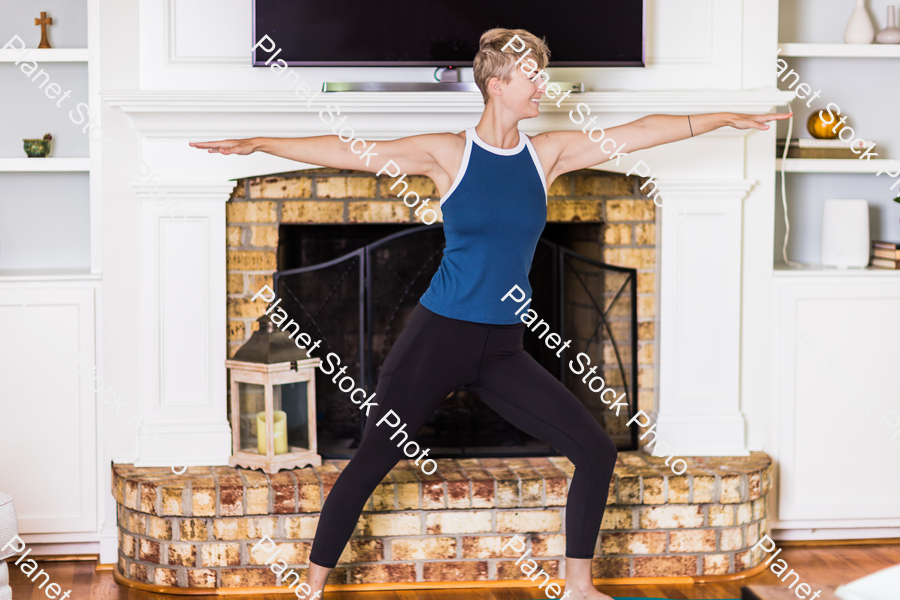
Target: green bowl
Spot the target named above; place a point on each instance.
(36, 148)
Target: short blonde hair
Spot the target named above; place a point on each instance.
(492, 61)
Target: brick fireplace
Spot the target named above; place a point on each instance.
(198, 530)
(213, 241)
(260, 205)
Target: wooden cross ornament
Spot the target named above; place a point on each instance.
(43, 22)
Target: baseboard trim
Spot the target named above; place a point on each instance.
(860, 542)
(58, 557)
(429, 585)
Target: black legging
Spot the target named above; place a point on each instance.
(431, 358)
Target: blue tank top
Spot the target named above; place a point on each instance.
(493, 217)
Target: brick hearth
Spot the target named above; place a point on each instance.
(198, 529)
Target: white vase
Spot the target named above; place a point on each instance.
(859, 29)
(890, 34)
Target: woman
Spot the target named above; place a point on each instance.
(493, 182)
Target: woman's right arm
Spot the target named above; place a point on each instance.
(414, 155)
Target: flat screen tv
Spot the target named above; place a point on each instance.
(445, 33)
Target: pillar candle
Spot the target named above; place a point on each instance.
(279, 428)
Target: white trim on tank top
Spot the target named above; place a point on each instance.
(537, 163)
(462, 166)
(496, 150)
(472, 136)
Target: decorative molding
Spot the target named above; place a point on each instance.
(724, 189)
(63, 537)
(701, 434)
(432, 102)
(183, 190)
(181, 115)
(181, 444)
(708, 13)
(68, 551)
(173, 59)
(815, 524)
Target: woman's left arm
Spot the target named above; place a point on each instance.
(655, 130)
(576, 150)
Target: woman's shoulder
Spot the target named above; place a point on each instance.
(450, 141)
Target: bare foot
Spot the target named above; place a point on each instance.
(590, 593)
(315, 579)
(579, 581)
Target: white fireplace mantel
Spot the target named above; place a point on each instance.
(167, 121)
(183, 246)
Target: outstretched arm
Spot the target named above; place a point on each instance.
(574, 150)
(415, 153)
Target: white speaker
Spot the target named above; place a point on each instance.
(845, 233)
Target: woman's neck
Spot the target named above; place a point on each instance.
(497, 130)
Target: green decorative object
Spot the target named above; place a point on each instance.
(38, 148)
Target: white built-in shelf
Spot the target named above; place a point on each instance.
(41, 55)
(835, 165)
(783, 270)
(44, 165)
(39, 275)
(841, 50)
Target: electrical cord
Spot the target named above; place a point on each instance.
(787, 222)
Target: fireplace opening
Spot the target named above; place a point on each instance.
(354, 285)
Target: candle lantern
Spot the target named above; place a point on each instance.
(273, 402)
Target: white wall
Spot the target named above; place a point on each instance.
(824, 21)
(44, 221)
(28, 113)
(69, 28)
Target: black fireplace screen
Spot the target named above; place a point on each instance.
(357, 305)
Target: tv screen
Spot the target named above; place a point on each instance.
(445, 33)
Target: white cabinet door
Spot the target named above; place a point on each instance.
(837, 384)
(48, 441)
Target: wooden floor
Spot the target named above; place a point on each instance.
(825, 566)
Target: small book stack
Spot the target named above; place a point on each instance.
(813, 148)
(886, 255)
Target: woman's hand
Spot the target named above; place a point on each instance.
(242, 147)
(739, 121)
